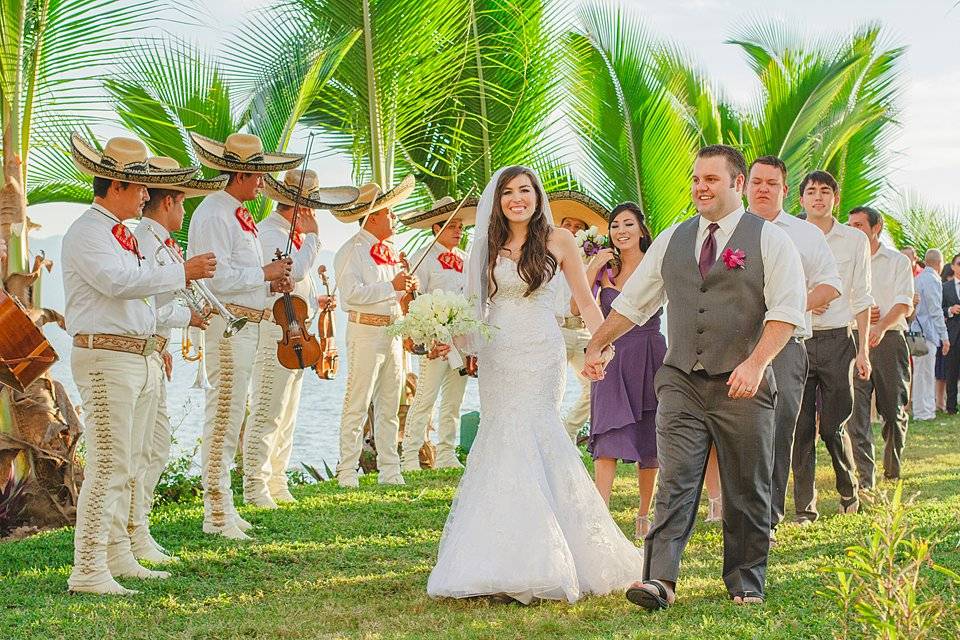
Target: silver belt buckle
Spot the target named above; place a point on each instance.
(149, 346)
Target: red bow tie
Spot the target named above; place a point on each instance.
(173, 244)
(298, 239)
(127, 240)
(383, 253)
(450, 260)
(246, 220)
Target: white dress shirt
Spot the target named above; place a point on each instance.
(171, 312)
(819, 266)
(433, 276)
(851, 250)
(274, 231)
(214, 228)
(365, 286)
(784, 290)
(108, 290)
(892, 275)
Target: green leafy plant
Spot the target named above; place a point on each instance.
(912, 221)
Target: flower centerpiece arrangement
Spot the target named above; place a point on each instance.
(591, 241)
(438, 317)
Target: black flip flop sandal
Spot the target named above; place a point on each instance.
(648, 600)
(749, 594)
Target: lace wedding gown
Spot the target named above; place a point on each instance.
(527, 520)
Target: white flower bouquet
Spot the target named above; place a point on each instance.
(590, 242)
(440, 316)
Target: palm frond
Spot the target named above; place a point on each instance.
(912, 221)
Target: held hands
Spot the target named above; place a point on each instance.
(199, 267)
(277, 269)
(862, 364)
(167, 364)
(595, 361)
(197, 320)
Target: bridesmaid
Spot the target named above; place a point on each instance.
(624, 403)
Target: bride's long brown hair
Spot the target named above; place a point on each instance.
(536, 265)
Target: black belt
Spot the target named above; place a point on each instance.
(839, 331)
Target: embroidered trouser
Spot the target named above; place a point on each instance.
(576, 341)
(436, 378)
(229, 367)
(374, 372)
(268, 439)
(118, 393)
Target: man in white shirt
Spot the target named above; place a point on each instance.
(223, 224)
(834, 357)
(740, 284)
(890, 373)
(268, 438)
(372, 281)
(109, 313)
(162, 214)
(766, 190)
(440, 270)
(929, 322)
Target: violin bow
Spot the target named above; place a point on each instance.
(299, 195)
(442, 229)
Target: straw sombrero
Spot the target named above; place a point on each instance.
(573, 204)
(241, 152)
(195, 187)
(372, 199)
(439, 212)
(124, 160)
(312, 195)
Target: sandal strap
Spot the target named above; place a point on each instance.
(659, 585)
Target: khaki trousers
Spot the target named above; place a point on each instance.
(436, 377)
(268, 440)
(229, 367)
(119, 398)
(374, 373)
(154, 458)
(576, 341)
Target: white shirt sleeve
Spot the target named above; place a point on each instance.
(860, 297)
(643, 293)
(903, 281)
(784, 286)
(102, 268)
(217, 234)
(354, 288)
(173, 315)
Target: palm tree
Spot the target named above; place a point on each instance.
(911, 221)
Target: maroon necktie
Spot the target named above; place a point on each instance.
(708, 252)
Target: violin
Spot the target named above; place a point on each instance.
(329, 362)
(405, 300)
(25, 353)
(298, 348)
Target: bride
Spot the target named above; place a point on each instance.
(527, 521)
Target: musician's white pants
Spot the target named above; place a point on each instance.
(576, 341)
(119, 398)
(155, 456)
(229, 368)
(268, 439)
(436, 378)
(374, 372)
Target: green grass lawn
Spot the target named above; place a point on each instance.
(354, 564)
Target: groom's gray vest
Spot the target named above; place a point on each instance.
(716, 320)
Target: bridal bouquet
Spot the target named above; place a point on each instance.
(440, 316)
(590, 242)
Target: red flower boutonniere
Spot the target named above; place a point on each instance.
(382, 253)
(450, 260)
(173, 244)
(127, 240)
(734, 258)
(246, 220)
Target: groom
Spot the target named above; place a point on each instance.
(742, 280)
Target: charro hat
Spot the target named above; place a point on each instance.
(439, 212)
(124, 160)
(193, 188)
(372, 199)
(580, 206)
(312, 195)
(241, 152)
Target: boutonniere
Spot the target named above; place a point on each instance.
(734, 258)
(450, 260)
(127, 240)
(173, 244)
(246, 220)
(382, 253)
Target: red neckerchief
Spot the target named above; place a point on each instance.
(126, 239)
(173, 244)
(246, 220)
(450, 260)
(383, 253)
(298, 238)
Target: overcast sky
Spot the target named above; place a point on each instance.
(928, 146)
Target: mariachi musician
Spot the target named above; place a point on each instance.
(268, 440)
(223, 224)
(371, 280)
(109, 312)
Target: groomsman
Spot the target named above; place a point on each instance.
(371, 282)
(223, 224)
(833, 355)
(951, 310)
(442, 269)
(575, 211)
(162, 215)
(766, 190)
(890, 373)
(110, 315)
(929, 321)
(268, 438)
(740, 283)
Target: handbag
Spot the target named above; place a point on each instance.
(916, 342)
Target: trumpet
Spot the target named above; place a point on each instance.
(196, 295)
(186, 345)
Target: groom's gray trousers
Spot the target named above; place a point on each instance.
(790, 371)
(694, 411)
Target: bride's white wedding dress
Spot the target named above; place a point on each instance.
(527, 520)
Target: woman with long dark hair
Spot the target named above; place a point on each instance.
(527, 522)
